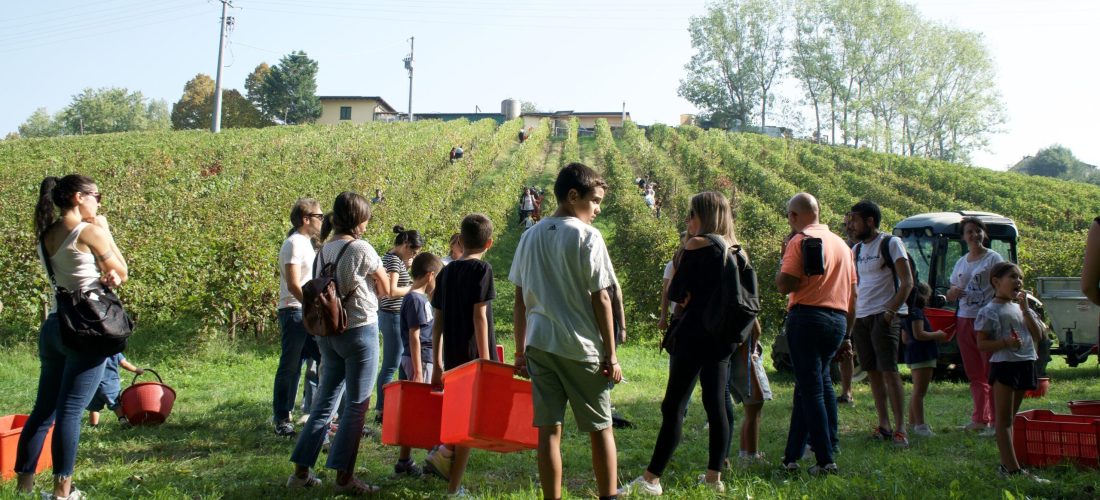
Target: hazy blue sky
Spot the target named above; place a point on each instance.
(566, 54)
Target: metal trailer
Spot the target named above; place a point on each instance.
(1075, 320)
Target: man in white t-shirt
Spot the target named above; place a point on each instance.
(564, 326)
(295, 269)
(880, 304)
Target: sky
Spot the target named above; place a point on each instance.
(584, 55)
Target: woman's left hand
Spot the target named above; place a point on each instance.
(111, 279)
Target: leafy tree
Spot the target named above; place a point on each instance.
(528, 107)
(1059, 162)
(40, 124)
(195, 109)
(289, 91)
(113, 110)
(253, 87)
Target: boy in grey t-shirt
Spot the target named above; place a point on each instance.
(563, 323)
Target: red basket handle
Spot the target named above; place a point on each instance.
(150, 370)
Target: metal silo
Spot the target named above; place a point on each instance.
(510, 108)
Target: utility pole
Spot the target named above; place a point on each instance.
(409, 66)
(216, 126)
(624, 113)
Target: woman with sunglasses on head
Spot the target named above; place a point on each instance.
(83, 255)
(396, 261)
(295, 269)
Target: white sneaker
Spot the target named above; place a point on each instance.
(988, 432)
(640, 487)
(923, 430)
(717, 486)
(303, 419)
(74, 494)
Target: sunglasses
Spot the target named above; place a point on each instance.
(318, 216)
(98, 196)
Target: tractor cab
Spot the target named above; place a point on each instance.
(934, 242)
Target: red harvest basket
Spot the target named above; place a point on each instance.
(941, 319)
(412, 414)
(1042, 437)
(1091, 407)
(147, 403)
(10, 428)
(487, 408)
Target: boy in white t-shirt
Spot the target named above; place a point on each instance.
(564, 327)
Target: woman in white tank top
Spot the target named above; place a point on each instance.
(82, 253)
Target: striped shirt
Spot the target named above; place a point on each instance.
(394, 264)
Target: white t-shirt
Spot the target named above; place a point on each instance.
(876, 281)
(559, 263)
(296, 249)
(973, 279)
(669, 271)
(1001, 320)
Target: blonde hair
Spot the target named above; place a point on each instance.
(715, 215)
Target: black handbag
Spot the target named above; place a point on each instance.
(92, 321)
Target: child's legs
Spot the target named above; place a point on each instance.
(605, 462)
(1004, 407)
(458, 467)
(93, 418)
(976, 365)
(549, 460)
(750, 428)
(921, 379)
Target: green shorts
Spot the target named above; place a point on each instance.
(556, 380)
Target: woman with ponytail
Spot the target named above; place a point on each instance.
(350, 358)
(78, 243)
(396, 261)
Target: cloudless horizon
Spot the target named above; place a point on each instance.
(472, 54)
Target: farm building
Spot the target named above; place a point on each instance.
(352, 109)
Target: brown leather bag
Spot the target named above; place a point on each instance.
(323, 312)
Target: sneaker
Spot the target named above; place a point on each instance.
(882, 434)
(717, 486)
(640, 487)
(408, 468)
(618, 422)
(822, 470)
(900, 440)
(844, 400)
(74, 494)
(282, 429)
(988, 432)
(439, 465)
(368, 431)
(923, 430)
(125, 424)
(790, 467)
(1021, 472)
(303, 419)
(459, 493)
(310, 481)
(746, 459)
(973, 427)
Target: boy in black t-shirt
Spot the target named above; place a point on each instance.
(463, 330)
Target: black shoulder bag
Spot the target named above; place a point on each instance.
(92, 321)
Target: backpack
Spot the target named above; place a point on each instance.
(323, 312)
(884, 250)
(732, 310)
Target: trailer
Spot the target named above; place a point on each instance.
(1073, 319)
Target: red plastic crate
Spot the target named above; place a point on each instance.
(1042, 437)
(1091, 407)
(10, 428)
(941, 319)
(500, 353)
(487, 408)
(411, 415)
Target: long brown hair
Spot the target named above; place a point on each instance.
(348, 211)
(57, 191)
(715, 215)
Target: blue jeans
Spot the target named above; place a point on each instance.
(66, 384)
(813, 336)
(290, 362)
(351, 360)
(389, 325)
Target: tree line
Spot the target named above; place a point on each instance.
(874, 73)
(282, 94)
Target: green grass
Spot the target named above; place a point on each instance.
(219, 443)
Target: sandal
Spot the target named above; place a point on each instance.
(309, 481)
(355, 487)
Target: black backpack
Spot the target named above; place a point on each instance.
(732, 310)
(887, 261)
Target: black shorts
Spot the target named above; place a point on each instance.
(1019, 375)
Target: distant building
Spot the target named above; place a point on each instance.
(586, 120)
(352, 109)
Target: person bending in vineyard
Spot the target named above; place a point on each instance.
(83, 255)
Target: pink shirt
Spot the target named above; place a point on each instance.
(832, 289)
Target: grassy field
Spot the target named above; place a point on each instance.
(219, 442)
